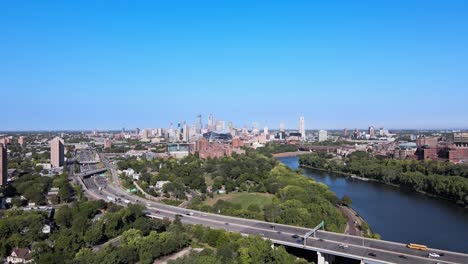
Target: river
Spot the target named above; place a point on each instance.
(398, 214)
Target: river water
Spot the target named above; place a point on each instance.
(397, 214)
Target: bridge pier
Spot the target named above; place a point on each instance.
(320, 258)
(323, 258)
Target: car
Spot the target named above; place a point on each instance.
(321, 239)
(295, 236)
(343, 246)
(148, 204)
(372, 254)
(433, 255)
(179, 215)
(203, 215)
(189, 213)
(157, 211)
(226, 223)
(261, 234)
(402, 256)
(272, 226)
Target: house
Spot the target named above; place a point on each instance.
(159, 184)
(20, 255)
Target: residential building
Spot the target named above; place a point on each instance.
(20, 255)
(107, 143)
(322, 135)
(57, 154)
(21, 140)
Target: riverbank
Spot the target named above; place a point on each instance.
(290, 154)
(374, 180)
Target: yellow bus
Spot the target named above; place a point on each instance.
(416, 246)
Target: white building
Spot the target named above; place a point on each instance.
(322, 135)
(302, 127)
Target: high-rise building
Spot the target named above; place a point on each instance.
(322, 135)
(199, 124)
(302, 127)
(21, 140)
(265, 130)
(137, 131)
(372, 132)
(107, 143)
(3, 165)
(186, 133)
(345, 132)
(210, 120)
(56, 152)
(145, 134)
(281, 128)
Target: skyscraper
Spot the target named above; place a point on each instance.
(281, 128)
(145, 134)
(56, 152)
(3, 165)
(199, 124)
(302, 127)
(372, 132)
(210, 120)
(265, 130)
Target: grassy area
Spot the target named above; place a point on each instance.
(208, 180)
(245, 199)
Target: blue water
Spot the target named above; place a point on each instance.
(397, 214)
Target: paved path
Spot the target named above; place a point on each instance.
(184, 252)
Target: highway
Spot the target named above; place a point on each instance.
(366, 250)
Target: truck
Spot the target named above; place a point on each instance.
(110, 199)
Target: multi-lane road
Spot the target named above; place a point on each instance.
(366, 250)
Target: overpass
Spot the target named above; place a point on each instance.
(325, 244)
(91, 172)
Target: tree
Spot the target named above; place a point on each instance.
(346, 200)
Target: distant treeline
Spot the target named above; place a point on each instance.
(446, 180)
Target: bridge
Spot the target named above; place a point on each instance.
(325, 246)
(91, 172)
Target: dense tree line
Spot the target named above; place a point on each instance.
(274, 148)
(232, 248)
(443, 179)
(297, 200)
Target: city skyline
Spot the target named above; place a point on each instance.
(72, 67)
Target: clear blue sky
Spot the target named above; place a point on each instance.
(113, 64)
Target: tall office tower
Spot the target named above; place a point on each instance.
(381, 132)
(145, 134)
(281, 128)
(137, 131)
(186, 132)
(21, 140)
(372, 132)
(3, 165)
(345, 132)
(265, 130)
(56, 152)
(199, 124)
(210, 120)
(322, 135)
(302, 127)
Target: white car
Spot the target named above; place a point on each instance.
(434, 255)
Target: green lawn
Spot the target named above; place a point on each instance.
(244, 198)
